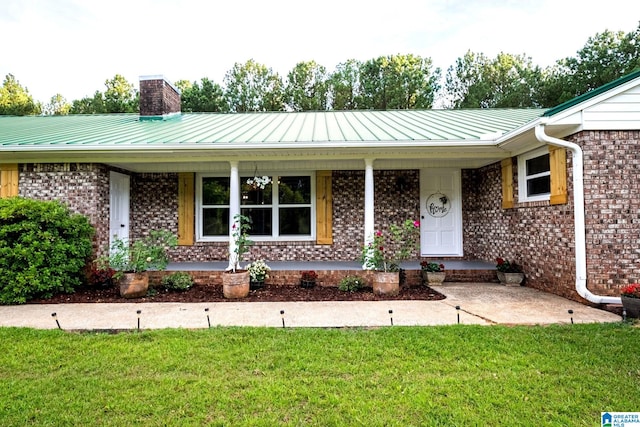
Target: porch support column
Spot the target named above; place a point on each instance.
(234, 210)
(369, 206)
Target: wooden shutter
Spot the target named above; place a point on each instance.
(8, 180)
(558, 172)
(507, 183)
(186, 209)
(324, 208)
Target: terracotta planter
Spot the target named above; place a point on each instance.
(510, 279)
(134, 285)
(631, 306)
(434, 277)
(236, 285)
(386, 283)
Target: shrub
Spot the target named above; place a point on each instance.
(44, 248)
(350, 284)
(177, 281)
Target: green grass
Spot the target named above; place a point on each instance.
(452, 375)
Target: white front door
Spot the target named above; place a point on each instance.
(440, 212)
(118, 207)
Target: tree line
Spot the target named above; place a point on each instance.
(403, 81)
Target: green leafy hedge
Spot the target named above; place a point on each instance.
(43, 249)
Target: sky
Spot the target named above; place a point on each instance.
(72, 47)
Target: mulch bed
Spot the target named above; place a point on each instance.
(266, 294)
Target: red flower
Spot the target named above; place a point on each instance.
(500, 261)
(381, 248)
(379, 233)
(416, 224)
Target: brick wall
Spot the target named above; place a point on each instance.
(540, 237)
(83, 187)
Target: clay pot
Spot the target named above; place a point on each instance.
(134, 285)
(434, 277)
(236, 285)
(386, 283)
(510, 279)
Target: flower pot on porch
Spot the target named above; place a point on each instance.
(307, 283)
(631, 306)
(434, 277)
(235, 285)
(510, 279)
(254, 285)
(134, 285)
(387, 284)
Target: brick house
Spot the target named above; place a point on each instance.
(554, 190)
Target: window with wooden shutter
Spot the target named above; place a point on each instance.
(8, 180)
(186, 209)
(324, 208)
(558, 169)
(507, 183)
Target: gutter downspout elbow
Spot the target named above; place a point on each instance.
(579, 218)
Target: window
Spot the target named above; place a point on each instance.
(534, 177)
(282, 210)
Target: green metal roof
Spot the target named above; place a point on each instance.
(591, 94)
(202, 129)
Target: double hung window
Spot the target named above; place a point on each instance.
(279, 210)
(534, 177)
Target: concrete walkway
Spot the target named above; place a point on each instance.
(480, 303)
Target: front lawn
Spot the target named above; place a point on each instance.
(451, 375)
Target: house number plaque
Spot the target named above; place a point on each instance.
(438, 205)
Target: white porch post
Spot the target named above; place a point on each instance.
(369, 205)
(234, 210)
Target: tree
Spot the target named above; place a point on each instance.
(89, 105)
(58, 106)
(16, 100)
(344, 85)
(307, 87)
(480, 82)
(120, 96)
(253, 87)
(398, 82)
(604, 58)
(204, 97)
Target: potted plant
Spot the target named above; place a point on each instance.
(308, 279)
(630, 296)
(509, 273)
(386, 262)
(132, 261)
(258, 273)
(236, 282)
(432, 272)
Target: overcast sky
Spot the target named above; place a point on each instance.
(72, 46)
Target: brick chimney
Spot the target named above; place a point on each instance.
(159, 99)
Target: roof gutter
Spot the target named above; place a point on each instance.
(579, 219)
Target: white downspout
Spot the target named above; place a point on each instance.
(578, 214)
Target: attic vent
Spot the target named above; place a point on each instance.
(159, 99)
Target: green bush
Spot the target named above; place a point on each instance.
(44, 248)
(350, 284)
(177, 281)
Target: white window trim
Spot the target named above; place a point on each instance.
(522, 176)
(274, 205)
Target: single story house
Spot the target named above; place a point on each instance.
(556, 190)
